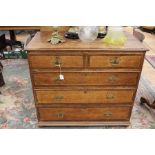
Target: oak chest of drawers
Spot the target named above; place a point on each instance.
(99, 86)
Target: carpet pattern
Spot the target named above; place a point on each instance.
(151, 59)
(17, 109)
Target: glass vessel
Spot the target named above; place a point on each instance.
(88, 33)
(115, 36)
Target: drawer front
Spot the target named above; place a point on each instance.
(42, 61)
(84, 114)
(123, 61)
(81, 96)
(106, 79)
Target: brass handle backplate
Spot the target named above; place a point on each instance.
(56, 61)
(57, 79)
(115, 60)
(108, 114)
(113, 78)
(60, 115)
(109, 96)
(58, 98)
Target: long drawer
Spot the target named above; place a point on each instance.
(83, 96)
(86, 78)
(51, 61)
(84, 114)
(116, 61)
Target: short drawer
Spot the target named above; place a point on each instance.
(86, 78)
(50, 61)
(84, 114)
(84, 96)
(114, 61)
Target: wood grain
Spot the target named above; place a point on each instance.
(85, 79)
(40, 42)
(99, 86)
(84, 114)
(42, 61)
(85, 96)
(116, 61)
(82, 123)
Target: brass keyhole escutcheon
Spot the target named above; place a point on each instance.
(115, 60)
(85, 91)
(85, 74)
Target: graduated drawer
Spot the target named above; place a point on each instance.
(51, 61)
(84, 114)
(84, 96)
(114, 61)
(86, 78)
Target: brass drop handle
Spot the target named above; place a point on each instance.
(57, 79)
(60, 115)
(58, 98)
(113, 78)
(108, 114)
(115, 60)
(110, 96)
(57, 61)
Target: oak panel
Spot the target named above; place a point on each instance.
(84, 96)
(44, 61)
(86, 78)
(83, 114)
(116, 61)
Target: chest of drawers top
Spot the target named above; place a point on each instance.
(40, 42)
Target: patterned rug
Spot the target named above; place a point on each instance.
(151, 59)
(17, 109)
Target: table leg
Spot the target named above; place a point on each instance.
(1, 75)
(145, 101)
(12, 35)
(14, 40)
